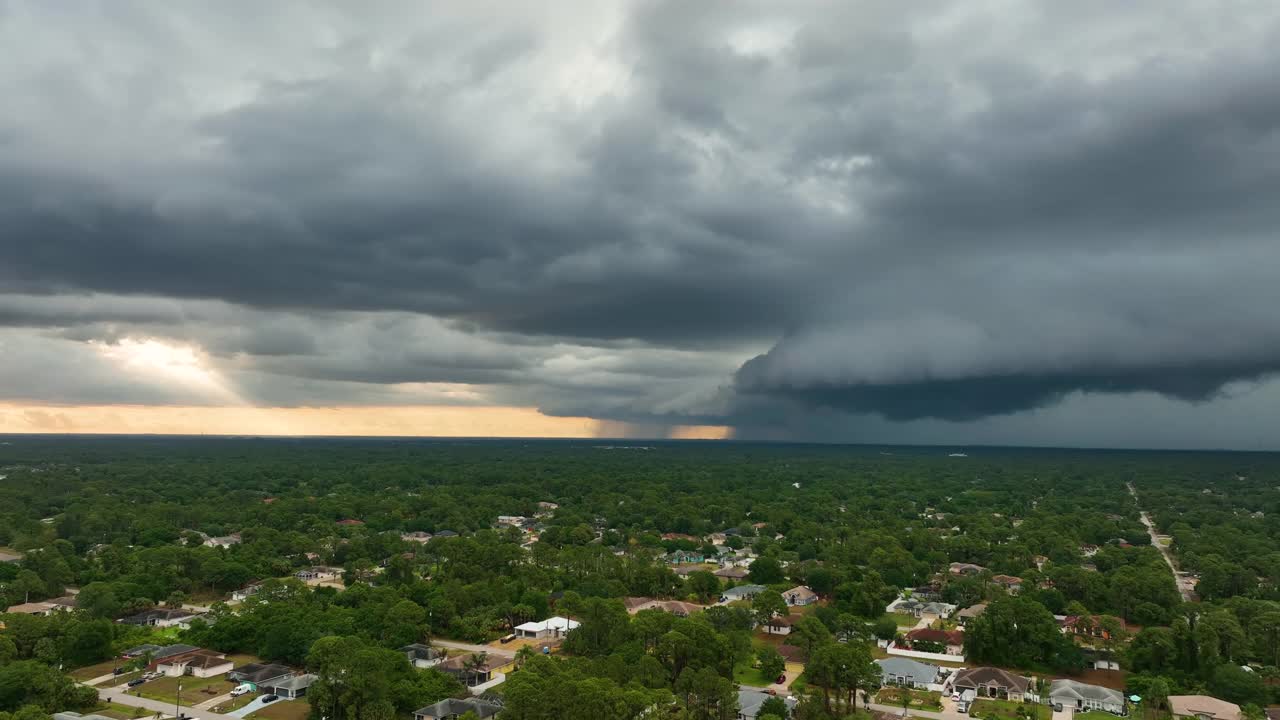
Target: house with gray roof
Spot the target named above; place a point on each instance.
(750, 700)
(292, 687)
(1081, 697)
(741, 592)
(907, 672)
(452, 708)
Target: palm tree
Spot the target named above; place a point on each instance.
(523, 655)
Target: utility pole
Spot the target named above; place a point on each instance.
(177, 701)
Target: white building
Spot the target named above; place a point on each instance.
(552, 627)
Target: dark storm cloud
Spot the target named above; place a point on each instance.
(949, 210)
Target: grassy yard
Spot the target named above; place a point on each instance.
(1005, 710)
(920, 699)
(120, 712)
(243, 659)
(235, 703)
(166, 689)
(903, 619)
(744, 674)
(284, 710)
(93, 671)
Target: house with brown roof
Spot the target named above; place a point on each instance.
(992, 682)
(1203, 707)
(1011, 584)
(952, 641)
(733, 572)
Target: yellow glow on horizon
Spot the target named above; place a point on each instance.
(405, 421)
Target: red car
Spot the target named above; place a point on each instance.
(782, 679)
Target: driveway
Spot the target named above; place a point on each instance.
(155, 706)
(1063, 714)
(257, 704)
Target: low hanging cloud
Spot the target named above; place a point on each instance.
(659, 213)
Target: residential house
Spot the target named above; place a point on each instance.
(733, 572)
(474, 669)
(924, 610)
(69, 715)
(43, 607)
(680, 536)
(552, 627)
(778, 625)
(907, 672)
(992, 683)
(1203, 707)
(800, 596)
(260, 675)
(446, 534)
(196, 663)
(511, 520)
(351, 523)
(417, 536)
(1087, 626)
(423, 656)
(158, 652)
(750, 700)
(951, 641)
(292, 687)
(159, 617)
(452, 708)
(717, 539)
(225, 541)
(1088, 550)
(965, 616)
(1040, 561)
(1011, 584)
(1082, 697)
(317, 573)
(741, 592)
(246, 592)
(960, 568)
(684, 557)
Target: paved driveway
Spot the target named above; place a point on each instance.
(257, 704)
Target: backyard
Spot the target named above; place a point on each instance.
(1004, 710)
(902, 620)
(920, 699)
(745, 674)
(119, 712)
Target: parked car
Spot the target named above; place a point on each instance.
(120, 671)
(782, 679)
(241, 690)
(269, 698)
(136, 682)
(508, 638)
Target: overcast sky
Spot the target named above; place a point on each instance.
(1049, 223)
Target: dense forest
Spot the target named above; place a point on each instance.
(125, 523)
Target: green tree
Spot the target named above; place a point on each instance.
(765, 605)
(704, 585)
(766, 571)
(771, 662)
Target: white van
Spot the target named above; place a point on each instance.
(241, 690)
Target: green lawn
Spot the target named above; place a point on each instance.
(1004, 710)
(235, 703)
(165, 689)
(284, 710)
(120, 712)
(920, 699)
(903, 619)
(745, 674)
(93, 671)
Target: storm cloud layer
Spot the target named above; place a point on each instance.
(892, 219)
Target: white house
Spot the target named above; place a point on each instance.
(552, 627)
(1078, 696)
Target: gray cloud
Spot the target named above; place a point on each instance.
(658, 212)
